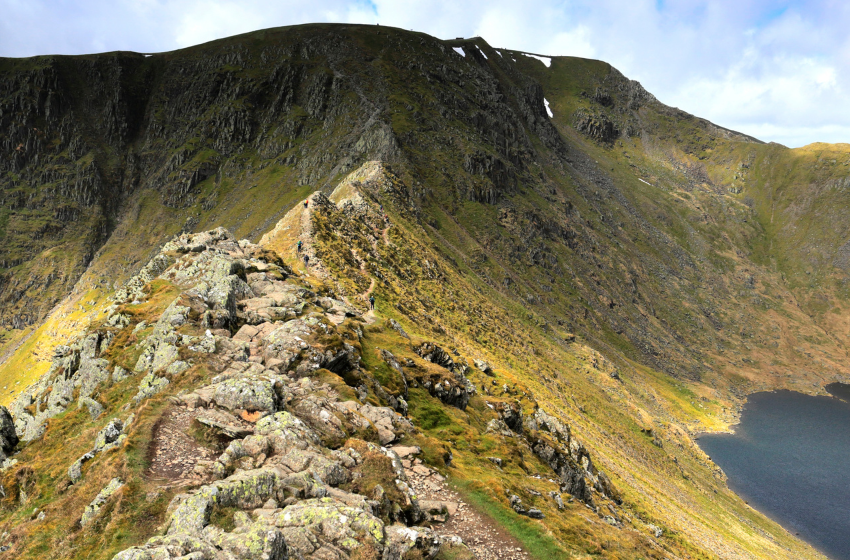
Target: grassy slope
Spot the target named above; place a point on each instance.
(687, 497)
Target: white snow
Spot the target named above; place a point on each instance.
(459, 50)
(499, 53)
(642, 181)
(482, 54)
(544, 59)
(548, 110)
(147, 55)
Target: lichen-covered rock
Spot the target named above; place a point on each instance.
(571, 474)
(91, 510)
(398, 328)
(341, 360)
(110, 437)
(544, 421)
(324, 524)
(410, 503)
(285, 431)
(185, 547)
(221, 421)
(287, 341)
(94, 407)
(484, 367)
(336, 310)
(406, 542)
(256, 541)
(51, 395)
(132, 290)
(157, 355)
(91, 374)
(261, 393)
(176, 368)
(109, 434)
(119, 374)
(323, 468)
(150, 386)
(245, 490)
(387, 422)
(321, 415)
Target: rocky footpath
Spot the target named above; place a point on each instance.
(287, 446)
(297, 449)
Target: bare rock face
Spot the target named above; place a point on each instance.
(8, 435)
(597, 125)
(453, 389)
(436, 355)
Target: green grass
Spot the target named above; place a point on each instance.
(530, 533)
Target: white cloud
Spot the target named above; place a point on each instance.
(576, 42)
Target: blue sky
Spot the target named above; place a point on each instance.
(779, 71)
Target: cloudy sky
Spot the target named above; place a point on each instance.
(779, 71)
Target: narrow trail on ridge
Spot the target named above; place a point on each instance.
(174, 454)
(369, 316)
(315, 265)
(484, 537)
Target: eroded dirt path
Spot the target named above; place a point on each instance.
(174, 453)
(486, 539)
(314, 266)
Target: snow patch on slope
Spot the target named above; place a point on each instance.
(548, 110)
(547, 61)
(459, 50)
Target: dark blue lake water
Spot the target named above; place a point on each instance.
(790, 458)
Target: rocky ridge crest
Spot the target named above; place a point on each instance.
(298, 445)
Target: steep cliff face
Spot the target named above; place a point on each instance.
(87, 133)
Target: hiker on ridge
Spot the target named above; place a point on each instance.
(298, 246)
(372, 302)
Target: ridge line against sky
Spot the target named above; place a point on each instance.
(779, 71)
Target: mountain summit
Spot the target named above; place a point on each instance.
(570, 279)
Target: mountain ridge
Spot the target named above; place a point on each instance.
(621, 251)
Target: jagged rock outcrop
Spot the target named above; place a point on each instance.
(8, 434)
(287, 474)
(597, 125)
(551, 440)
(453, 389)
(110, 437)
(94, 507)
